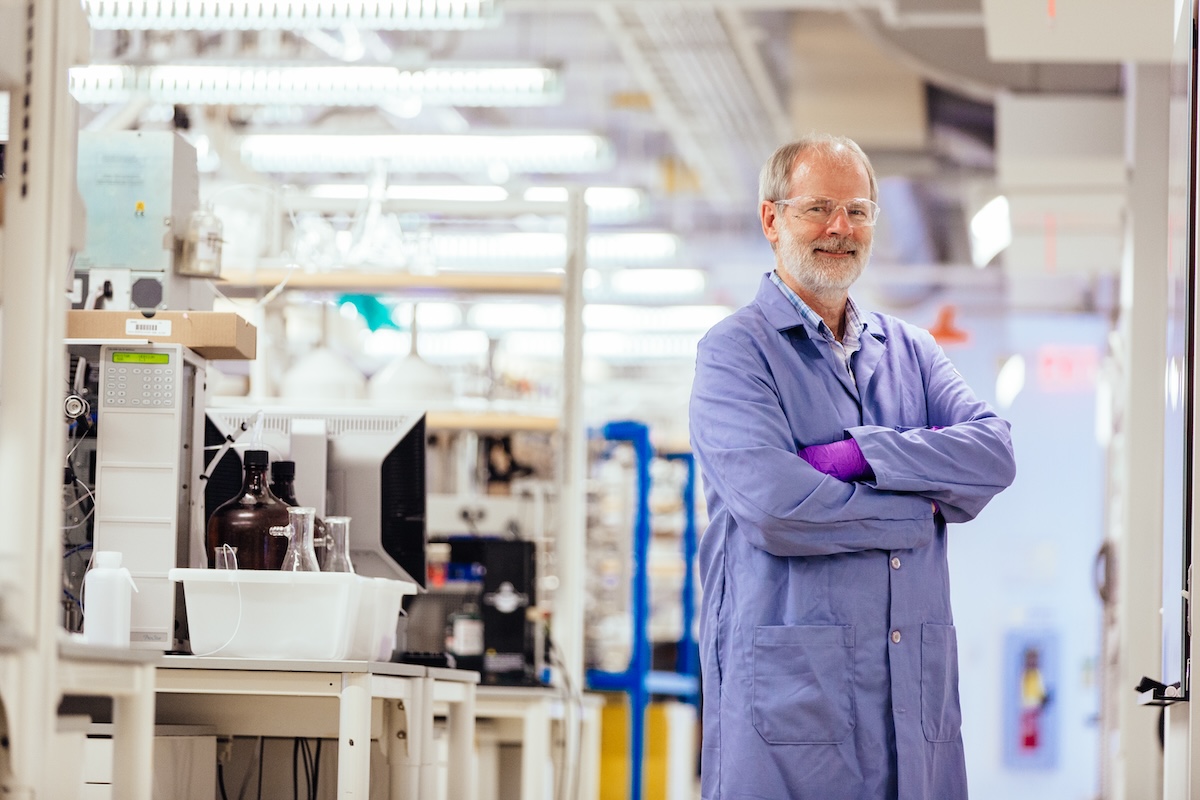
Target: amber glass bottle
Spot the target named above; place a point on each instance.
(283, 481)
(244, 522)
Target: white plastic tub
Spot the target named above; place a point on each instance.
(375, 622)
(248, 613)
(291, 615)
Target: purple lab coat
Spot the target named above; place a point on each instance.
(828, 649)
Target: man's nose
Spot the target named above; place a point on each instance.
(839, 222)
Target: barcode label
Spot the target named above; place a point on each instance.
(147, 327)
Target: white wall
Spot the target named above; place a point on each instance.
(1026, 563)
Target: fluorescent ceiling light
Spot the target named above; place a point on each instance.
(426, 152)
(596, 317)
(214, 15)
(434, 345)
(613, 345)
(515, 316)
(540, 251)
(640, 318)
(600, 199)
(210, 84)
(1010, 380)
(358, 191)
(991, 231)
(658, 282)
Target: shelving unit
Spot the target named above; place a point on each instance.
(565, 287)
(638, 680)
(39, 41)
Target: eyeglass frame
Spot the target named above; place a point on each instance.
(794, 202)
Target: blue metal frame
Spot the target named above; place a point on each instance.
(637, 679)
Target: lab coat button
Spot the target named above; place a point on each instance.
(895, 562)
(896, 637)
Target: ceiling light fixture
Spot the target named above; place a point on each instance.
(658, 282)
(220, 15)
(991, 231)
(553, 153)
(209, 84)
(602, 200)
(541, 251)
(358, 191)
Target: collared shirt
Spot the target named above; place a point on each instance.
(851, 341)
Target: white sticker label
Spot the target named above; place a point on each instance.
(147, 327)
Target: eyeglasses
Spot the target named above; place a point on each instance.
(860, 211)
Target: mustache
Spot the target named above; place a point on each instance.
(834, 244)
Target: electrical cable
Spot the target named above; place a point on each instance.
(221, 780)
(261, 747)
(310, 769)
(295, 762)
(246, 778)
(573, 700)
(316, 770)
(77, 549)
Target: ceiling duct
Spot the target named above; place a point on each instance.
(708, 86)
(1060, 161)
(843, 83)
(1095, 31)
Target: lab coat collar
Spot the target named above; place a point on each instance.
(783, 316)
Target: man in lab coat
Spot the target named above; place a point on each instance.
(835, 445)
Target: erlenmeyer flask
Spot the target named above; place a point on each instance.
(300, 556)
(337, 545)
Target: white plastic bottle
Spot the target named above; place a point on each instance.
(107, 595)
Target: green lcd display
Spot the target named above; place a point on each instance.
(141, 358)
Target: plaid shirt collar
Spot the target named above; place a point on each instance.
(855, 325)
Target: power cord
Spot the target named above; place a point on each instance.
(572, 702)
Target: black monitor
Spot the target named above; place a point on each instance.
(365, 464)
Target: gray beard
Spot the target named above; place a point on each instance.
(815, 272)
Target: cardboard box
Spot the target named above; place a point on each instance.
(211, 334)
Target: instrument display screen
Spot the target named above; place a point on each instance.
(141, 358)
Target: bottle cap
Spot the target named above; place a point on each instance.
(256, 458)
(283, 470)
(109, 559)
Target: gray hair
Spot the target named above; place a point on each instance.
(775, 178)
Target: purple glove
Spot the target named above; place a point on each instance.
(842, 460)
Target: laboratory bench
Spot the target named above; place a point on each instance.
(353, 702)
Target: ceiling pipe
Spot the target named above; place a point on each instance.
(975, 90)
(760, 81)
(888, 9)
(891, 14)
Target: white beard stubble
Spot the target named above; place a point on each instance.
(815, 272)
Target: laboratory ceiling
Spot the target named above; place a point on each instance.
(679, 101)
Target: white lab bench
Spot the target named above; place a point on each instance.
(350, 701)
(128, 677)
(532, 717)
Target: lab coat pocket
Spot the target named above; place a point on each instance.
(802, 683)
(941, 714)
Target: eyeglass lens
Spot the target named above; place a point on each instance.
(859, 211)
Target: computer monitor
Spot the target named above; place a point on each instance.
(361, 463)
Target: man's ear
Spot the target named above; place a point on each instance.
(768, 213)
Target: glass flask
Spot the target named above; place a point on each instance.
(300, 556)
(245, 520)
(336, 557)
(283, 486)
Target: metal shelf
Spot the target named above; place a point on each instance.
(438, 284)
(490, 421)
